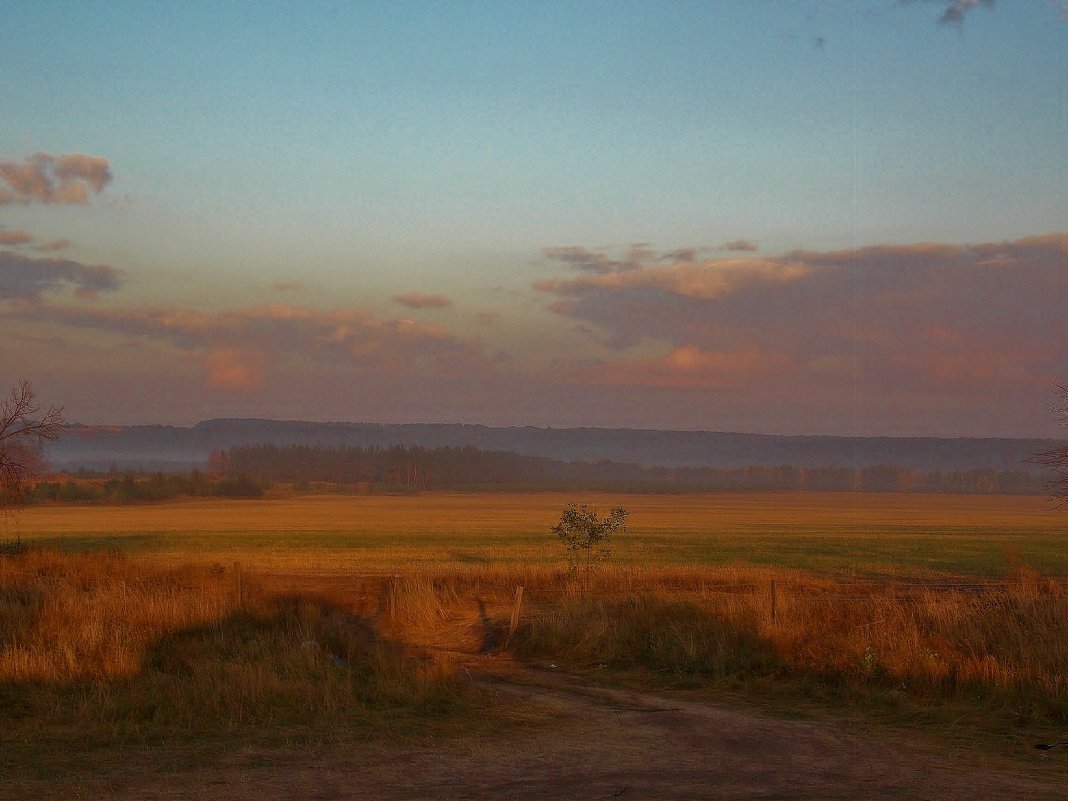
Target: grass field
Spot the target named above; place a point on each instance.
(113, 620)
(828, 533)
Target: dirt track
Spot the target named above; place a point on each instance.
(577, 740)
(594, 743)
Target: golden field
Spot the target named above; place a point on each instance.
(835, 533)
(938, 610)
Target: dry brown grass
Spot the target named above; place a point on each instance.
(94, 617)
(163, 623)
(995, 649)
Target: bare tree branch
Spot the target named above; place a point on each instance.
(23, 429)
(1057, 458)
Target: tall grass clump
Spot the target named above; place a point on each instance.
(995, 649)
(677, 637)
(97, 647)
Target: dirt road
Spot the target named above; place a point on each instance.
(593, 743)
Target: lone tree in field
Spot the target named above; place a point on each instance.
(1057, 459)
(23, 429)
(582, 531)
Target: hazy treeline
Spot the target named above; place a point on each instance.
(466, 468)
(132, 488)
(170, 448)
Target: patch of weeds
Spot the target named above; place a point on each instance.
(14, 547)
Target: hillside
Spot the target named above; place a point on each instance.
(179, 448)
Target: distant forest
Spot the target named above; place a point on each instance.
(416, 469)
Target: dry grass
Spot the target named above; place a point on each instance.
(121, 646)
(97, 649)
(993, 650)
(996, 652)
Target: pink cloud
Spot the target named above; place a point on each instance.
(53, 246)
(687, 367)
(233, 368)
(63, 180)
(78, 167)
(334, 337)
(706, 280)
(13, 238)
(419, 300)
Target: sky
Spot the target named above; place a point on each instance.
(808, 217)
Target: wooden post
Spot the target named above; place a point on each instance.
(517, 604)
(240, 589)
(393, 597)
(774, 603)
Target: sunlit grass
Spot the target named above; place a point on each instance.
(837, 533)
(132, 618)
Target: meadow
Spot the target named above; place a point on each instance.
(220, 620)
(842, 534)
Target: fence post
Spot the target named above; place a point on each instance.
(517, 604)
(393, 597)
(240, 589)
(774, 603)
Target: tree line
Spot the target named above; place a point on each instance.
(411, 469)
(132, 487)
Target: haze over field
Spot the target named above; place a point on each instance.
(843, 218)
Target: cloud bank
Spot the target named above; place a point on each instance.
(236, 347)
(929, 317)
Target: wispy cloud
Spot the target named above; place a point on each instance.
(707, 280)
(420, 300)
(959, 9)
(685, 367)
(597, 261)
(55, 245)
(26, 278)
(62, 180)
(287, 286)
(739, 245)
(954, 12)
(14, 238)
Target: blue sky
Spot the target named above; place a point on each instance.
(328, 159)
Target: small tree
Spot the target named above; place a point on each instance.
(1057, 459)
(23, 429)
(582, 532)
